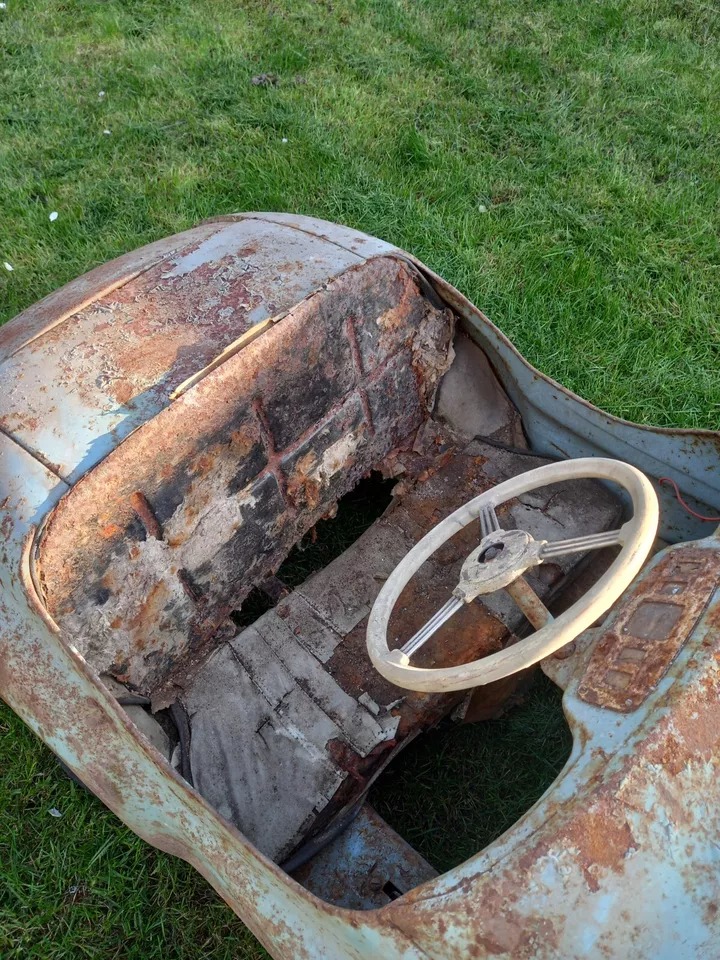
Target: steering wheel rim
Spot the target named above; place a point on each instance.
(636, 537)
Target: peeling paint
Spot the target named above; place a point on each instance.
(618, 859)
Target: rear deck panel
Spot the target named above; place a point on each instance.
(84, 384)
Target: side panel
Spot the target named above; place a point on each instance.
(52, 689)
(559, 423)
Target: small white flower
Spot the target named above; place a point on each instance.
(284, 140)
(106, 132)
(482, 208)
(54, 812)
(53, 216)
(101, 95)
(8, 266)
(3, 6)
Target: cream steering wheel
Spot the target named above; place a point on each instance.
(499, 562)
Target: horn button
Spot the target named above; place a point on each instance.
(500, 558)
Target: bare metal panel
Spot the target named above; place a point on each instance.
(366, 867)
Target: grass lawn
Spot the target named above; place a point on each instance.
(558, 162)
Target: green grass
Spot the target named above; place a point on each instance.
(456, 789)
(556, 161)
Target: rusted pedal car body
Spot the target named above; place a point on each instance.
(171, 425)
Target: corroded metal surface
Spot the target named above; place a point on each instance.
(620, 858)
(63, 304)
(641, 641)
(294, 698)
(82, 386)
(51, 687)
(559, 883)
(366, 867)
(265, 712)
(149, 554)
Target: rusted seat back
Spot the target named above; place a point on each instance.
(146, 557)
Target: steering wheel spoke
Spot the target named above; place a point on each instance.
(432, 626)
(489, 522)
(593, 541)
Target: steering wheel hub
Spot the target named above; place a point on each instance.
(499, 560)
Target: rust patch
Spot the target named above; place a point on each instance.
(6, 527)
(360, 768)
(603, 842)
(645, 637)
(133, 344)
(81, 293)
(693, 734)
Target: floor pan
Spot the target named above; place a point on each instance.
(290, 723)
